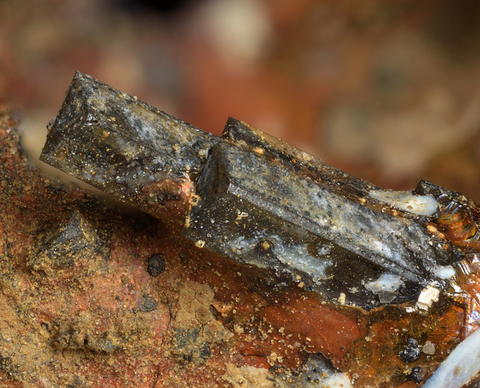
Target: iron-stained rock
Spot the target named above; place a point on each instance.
(76, 240)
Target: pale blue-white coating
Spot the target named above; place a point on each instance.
(460, 367)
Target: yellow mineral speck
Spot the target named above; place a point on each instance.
(273, 357)
(238, 329)
(200, 243)
(265, 245)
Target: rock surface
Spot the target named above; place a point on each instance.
(80, 308)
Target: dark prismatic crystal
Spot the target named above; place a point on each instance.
(111, 141)
(256, 200)
(156, 264)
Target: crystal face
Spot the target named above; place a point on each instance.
(294, 220)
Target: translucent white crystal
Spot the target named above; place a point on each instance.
(428, 295)
(385, 286)
(423, 205)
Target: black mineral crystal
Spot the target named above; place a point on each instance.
(256, 200)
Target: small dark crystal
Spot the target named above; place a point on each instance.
(411, 352)
(156, 264)
(416, 375)
(147, 304)
(205, 350)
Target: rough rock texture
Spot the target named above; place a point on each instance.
(79, 306)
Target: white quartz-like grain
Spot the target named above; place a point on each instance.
(422, 205)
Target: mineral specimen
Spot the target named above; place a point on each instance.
(253, 198)
(287, 218)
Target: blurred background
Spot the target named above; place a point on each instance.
(388, 91)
